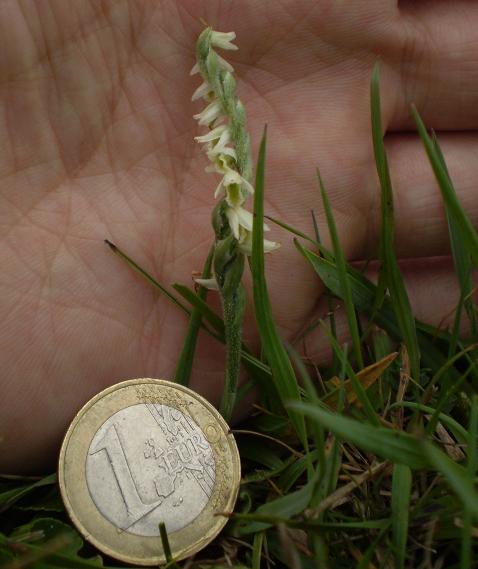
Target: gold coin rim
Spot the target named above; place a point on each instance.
(218, 522)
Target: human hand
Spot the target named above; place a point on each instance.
(97, 142)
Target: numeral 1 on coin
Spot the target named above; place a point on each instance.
(111, 443)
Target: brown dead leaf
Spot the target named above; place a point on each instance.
(367, 377)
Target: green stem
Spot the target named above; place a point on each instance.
(233, 307)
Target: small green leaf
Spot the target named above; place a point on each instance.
(9, 497)
(50, 543)
(283, 507)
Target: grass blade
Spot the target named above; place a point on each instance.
(283, 507)
(393, 445)
(171, 564)
(461, 257)
(334, 459)
(454, 208)
(364, 293)
(449, 388)
(207, 313)
(317, 433)
(147, 276)
(401, 488)
(257, 550)
(277, 358)
(290, 229)
(389, 269)
(343, 276)
(255, 365)
(366, 376)
(185, 363)
(467, 543)
(458, 431)
(459, 479)
(258, 371)
(355, 382)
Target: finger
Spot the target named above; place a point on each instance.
(421, 228)
(433, 291)
(437, 68)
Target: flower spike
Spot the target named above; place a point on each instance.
(227, 144)
(227, 147)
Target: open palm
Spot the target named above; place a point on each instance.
(96, 141)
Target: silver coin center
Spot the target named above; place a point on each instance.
(149, 463)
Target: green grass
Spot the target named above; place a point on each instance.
(380, 480)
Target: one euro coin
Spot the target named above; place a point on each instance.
(147, 451)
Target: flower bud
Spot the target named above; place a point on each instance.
(223, 40)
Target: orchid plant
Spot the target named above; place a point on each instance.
(227, 146)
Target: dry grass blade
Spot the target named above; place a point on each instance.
(336, 497)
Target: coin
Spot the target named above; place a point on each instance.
(142, 452)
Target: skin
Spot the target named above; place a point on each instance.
(96, 141)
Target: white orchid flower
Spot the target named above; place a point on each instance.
(202, 92)
(222, 163)
(245, 242)
(212, 112)
(223, 64)
(225, 151)
(235, 187)
(210, 284)
(233, 177)
(215, 144)
(212, 135)
(239, 217)
(223, 40)
(218, 147)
